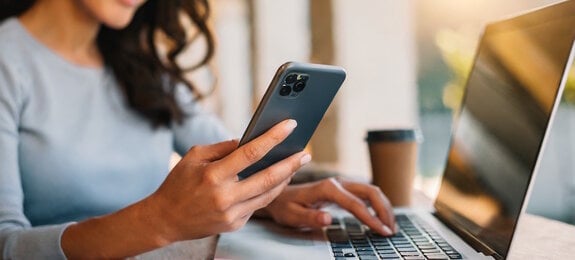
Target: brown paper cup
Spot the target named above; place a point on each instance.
(393, 155)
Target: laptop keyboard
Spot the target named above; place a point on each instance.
(350, 239)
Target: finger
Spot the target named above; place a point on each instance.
(270, 177)
(256, 149)
(209, 153)
(298, 216)
(249, 206)
(376, 198)
(336, 193)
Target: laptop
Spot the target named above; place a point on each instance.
(513, 90)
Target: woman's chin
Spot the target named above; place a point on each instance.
(118, 23)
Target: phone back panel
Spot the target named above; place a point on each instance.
(307, 107)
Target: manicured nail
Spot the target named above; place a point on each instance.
(305, 159)
(387, 230)
(290, 124)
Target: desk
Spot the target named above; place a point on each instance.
(191, 250)
(536, 238)
(542, 238)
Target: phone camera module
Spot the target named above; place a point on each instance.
(291, 78)
(299, 86)
(285, 90)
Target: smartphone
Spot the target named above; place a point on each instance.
(299, 91)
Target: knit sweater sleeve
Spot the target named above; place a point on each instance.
(199, 127)
(18, 239)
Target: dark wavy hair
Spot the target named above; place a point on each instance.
(146, 77)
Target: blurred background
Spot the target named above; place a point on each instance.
(407, 62)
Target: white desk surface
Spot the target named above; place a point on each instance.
(536, 238)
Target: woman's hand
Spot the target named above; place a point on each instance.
(202, 195)
(299, 205)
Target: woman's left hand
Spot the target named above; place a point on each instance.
(300, 205)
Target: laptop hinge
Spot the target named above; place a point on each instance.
(469, 238)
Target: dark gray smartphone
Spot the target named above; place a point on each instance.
(300, 91)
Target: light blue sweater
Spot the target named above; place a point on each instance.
(70, 148)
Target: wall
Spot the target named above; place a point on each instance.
(375, 43)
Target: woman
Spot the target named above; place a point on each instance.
(89, 115)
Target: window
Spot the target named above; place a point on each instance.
(406, 63)
(447, 33)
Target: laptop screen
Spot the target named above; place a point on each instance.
(510, 94)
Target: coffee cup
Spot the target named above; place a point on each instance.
(393, 155)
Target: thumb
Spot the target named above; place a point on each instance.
(299, 216)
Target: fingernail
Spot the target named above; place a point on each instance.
(305, 159)
(325, 219)
(291, 124)
(387, 230)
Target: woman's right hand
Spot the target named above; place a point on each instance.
(202, 195)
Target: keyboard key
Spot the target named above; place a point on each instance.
(368, 257)
(337, 235)
(340, 245)
(400, 242)
(455, 256)
(335, 221)
(389, 256)
(386, 251)
(404, 246)
(405, 250)
(364, 249)
(436, 256)
(429, 251)
(427, 247)
(351, 220)
(413, 233)
(437, 238)
(380, 248)
(414, 253)
(349, 255)
(414, 258)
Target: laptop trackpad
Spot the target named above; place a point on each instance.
(264, 238)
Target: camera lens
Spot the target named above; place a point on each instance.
(285, 90)
(291, 78)
(299, 86)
